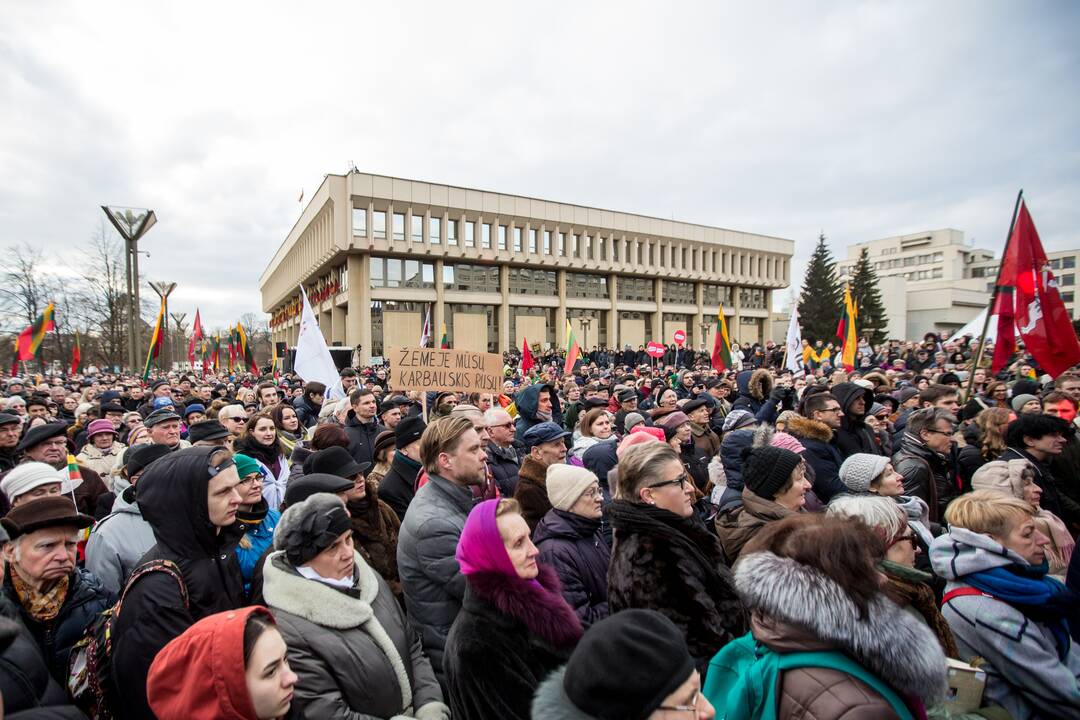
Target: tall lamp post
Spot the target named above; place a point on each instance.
(585, 323)
(132, 224)
(181, 330)
(164, 289)
(704, 336)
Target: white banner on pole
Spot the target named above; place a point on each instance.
(313, 360)
(794, 343)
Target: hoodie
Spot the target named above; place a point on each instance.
(854, 436)
(200, 675)
(754, 395)
(526, 402)
(119, 540)
(1023, 671)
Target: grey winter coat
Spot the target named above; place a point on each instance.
(354, 652)
(430, 576)
(118, 541)
(1023, 672)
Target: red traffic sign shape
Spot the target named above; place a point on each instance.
(680, 337)
(654, 349)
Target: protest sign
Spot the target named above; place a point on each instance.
(413, 368)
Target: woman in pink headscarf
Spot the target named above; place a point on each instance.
(514, 626)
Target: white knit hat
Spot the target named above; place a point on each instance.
(566, 483)
(27, 476)
(860, 469)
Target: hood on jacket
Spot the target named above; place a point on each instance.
(528, 398)
(600, 459)
(125, 496)
(755, 383)
(847, 393)
(961, 552)
(172, 498)
(807, 429)
(889, 642)
(200, 674)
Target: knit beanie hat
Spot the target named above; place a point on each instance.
(27, 476)
(738, 419)
(566, 483)
(626, 665)
(1021, 400)
(634, 438)
(767, 469)
(860, 469)
(786, 441)
(632, 420)
(245, 465)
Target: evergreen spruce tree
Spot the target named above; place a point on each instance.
(822, 296)
(864, 291)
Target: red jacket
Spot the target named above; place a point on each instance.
(200, 674)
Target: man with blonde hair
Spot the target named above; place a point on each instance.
(1003, 607)
(453, 456)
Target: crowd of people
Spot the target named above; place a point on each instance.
(631, 540)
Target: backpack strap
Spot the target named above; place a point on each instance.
(166, 566)
(840, 662)
(962, 592)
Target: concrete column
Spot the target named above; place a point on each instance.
(504, 291)
(766, 324)
(734, 332)
(358, 317)
(613, 339)
(326, 325)
(658, 314)
(337, 323)
(693, 334)
(440, 306)
(560, 312)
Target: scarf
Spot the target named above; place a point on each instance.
(1039, 598)
(909, 587)
(683, 533)
(268, 455)
(45, 606)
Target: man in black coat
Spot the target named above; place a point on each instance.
(361, 425)
(817, 433)
(189, 497)
(1040, 439)
(398, 486)
(928, 460)
(503, 455)
(63, 599)
(10, 428)
(853, 435)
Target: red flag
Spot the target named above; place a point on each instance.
(527, 361)
(76, 355)
(196, 336)
(1028, 296)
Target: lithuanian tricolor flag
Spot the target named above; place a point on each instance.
(444, 343)
(156, 341)
(573, 350)
(851, 340)
(30, 339)
(721, 349)
(76, 355)
(245, 353)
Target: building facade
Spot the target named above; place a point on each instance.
(928, 281)
(377, 254)
(1063, 263)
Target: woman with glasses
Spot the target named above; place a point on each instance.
(665, 560)
(910, 588)
(632, 665)
(256, 517)
(774, 487)
(570, 540)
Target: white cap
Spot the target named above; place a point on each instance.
(27, 476)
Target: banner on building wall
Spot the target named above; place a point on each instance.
(415, 368)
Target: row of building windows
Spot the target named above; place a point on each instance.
(1065, 263)
(560, 244)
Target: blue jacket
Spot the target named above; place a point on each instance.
(260, 537)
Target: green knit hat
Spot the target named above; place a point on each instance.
(245, 465)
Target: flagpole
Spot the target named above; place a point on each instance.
(993, 298)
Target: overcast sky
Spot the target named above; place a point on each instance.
(858, 119)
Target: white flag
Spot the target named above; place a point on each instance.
(794, 344)
(425, 334)
(313, 361)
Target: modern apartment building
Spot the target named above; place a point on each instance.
(1064, 265)
(377, 254)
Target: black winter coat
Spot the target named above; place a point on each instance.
(86, 599)
(928, 475)
(25, 682)
(362, 438)
(580, 554)
(504, 466)
(821, 455)
(397, 487)
(172, 495)
(731, 455)
(675, 566)
(307, 414)
(854, 436)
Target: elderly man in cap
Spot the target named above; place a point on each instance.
(123, 536)
(159, 389)
(164, 427)
(628, 403)
(397, 487)
(48, 444)
(545, 445)
(10, 429)
(706, 441)
(102, 451)
(209, 432)
(53, 598)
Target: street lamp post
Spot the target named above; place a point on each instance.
(585, 323)
(181, 329)
(164, 289)
(132, 224)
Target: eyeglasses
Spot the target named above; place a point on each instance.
(503, 425)
(941, 432)
(245, 481)
(908, 538)
(831, 409)
(692, 707)
(591, 492)
(237, 418)
(683, 479)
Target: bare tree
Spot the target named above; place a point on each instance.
(104, 295)
(26, 289)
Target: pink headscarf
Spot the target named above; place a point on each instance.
(634, 438)
(481, 548)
